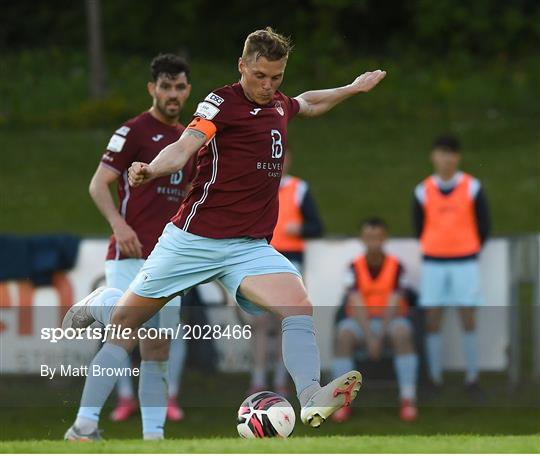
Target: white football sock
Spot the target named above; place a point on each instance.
(153, 391)
(97, 388)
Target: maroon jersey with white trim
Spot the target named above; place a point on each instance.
(147, 208)
(235, 193)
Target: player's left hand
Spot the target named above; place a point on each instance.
(365, 82)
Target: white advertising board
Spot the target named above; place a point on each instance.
(326, 265)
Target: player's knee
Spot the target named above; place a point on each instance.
(433, 324)
(302, 306)
(467, 319)
(345, 343)
(400, 331)
(401, 336)
(122, 316)
(469, 325)
(154, 350)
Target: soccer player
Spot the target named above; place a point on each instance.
(451, 219)
(298, 220)
(223, 226)
(375, 313)
(136, 225)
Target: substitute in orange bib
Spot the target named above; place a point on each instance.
(376, 313)
(451, 220)
(298, 220)
(298, 217)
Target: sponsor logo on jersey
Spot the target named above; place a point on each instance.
(255, 111)
(270, 166)
(279, 108)
(123, 131)
(107, 157)
(157, 138)
(116, 143)
(206, 111)
(176, 178)
(213, 98)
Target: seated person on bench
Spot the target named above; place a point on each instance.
(375, 313)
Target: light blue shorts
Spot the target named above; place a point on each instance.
(120, 273)
(181, 260)
(375, 326)
(450, 283)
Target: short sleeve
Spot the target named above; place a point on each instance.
(301, 191)
(475, 187)
(420, 193)
(215, 108)
(293, 106)
(122, 150)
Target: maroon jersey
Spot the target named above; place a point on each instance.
(235, 193)
(147, 208)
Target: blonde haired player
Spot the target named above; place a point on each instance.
(222, 229)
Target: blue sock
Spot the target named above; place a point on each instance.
(177, 357)
(433, 352)
(153, 397)
(97, 388)
(406, 367)
(301, 353)
(102, 306)
(341, 365)
(470, 344)
(124, 385)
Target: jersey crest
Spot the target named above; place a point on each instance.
(279, 108)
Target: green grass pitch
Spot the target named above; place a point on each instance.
(34, 416)
(328, 444)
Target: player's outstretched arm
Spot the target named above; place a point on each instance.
(317, 102)
(171, 159)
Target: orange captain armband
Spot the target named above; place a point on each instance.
(204, 126)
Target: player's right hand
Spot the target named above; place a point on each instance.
(127, 240)
(139, 174)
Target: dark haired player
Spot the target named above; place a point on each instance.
(451, 219)
(136, 225)
(222, 229)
